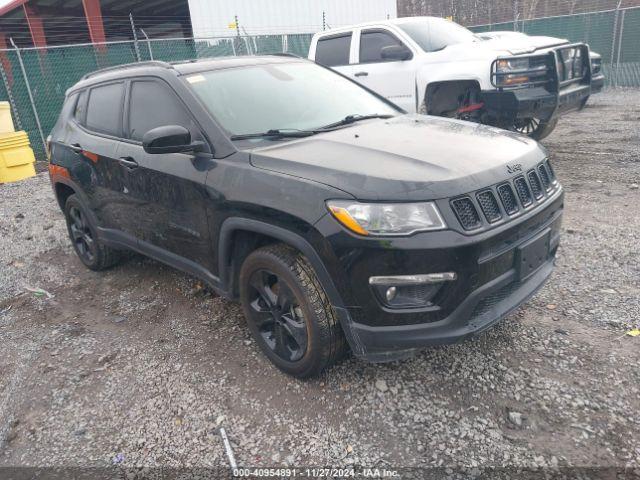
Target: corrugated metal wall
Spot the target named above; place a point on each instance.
(263, 17)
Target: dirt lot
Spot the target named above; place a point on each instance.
(140, 366)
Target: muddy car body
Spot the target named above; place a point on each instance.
(337, 221)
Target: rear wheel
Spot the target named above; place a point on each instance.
(82, 233)
(534, 127)
(288, 313)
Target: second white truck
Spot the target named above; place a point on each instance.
(435, 66)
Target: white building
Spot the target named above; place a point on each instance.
(268, 17)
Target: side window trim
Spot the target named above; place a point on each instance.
(349, 34)
(380, 30)
(84, 125)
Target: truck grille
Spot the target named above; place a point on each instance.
(505, 198)
(466, 213)
(571, 63)
(544, 176)
(524, 194)
(536, 186)
(508, 199)
(489, 206)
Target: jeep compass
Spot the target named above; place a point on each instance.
(336, 219)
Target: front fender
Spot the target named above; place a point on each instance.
(478, 71)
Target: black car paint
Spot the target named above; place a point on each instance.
(188, 210)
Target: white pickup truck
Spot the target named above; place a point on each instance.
(435, 66)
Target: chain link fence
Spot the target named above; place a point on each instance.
(34, 80)
(614, 34)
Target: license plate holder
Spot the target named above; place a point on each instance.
(532, 254)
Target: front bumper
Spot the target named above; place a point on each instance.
(489, 283)
(508, 105)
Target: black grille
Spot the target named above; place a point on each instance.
(488, 302)
(544, 176)
(524, 194)
(536, 186)
(552, 174)
(466, 213)
(508, 198)
(489, 206)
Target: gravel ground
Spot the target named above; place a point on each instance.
(139, 365)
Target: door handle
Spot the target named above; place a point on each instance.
(361, 74)
(76, 147)
(128, 162)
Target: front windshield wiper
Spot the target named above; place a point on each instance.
(274, 133)
(353, 118)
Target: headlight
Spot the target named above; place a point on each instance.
(386, 218)
(524, 70)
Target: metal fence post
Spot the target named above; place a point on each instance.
(148, 44)
(135, 37)
(12, 101)
(613, 42)
(26, 82)
(619, 46)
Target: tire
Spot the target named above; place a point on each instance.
(288, 312)
(91, 252)
(535, 128)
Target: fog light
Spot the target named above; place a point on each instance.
(409, 291)
(391, 293)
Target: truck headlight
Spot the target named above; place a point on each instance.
(517, 71)
(386, 218)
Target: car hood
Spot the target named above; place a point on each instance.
(409, 157)
(514, 46)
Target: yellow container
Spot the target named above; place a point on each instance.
(6, 122)
(16, 157)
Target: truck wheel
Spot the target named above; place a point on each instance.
(534, 128)
(94, 254)
(288, 312)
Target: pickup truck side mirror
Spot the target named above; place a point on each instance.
(170, 139)
(395, 52)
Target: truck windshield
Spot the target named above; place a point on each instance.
(282, 97)
(437, 33)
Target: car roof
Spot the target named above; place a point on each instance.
(159, 68)
(392, 21)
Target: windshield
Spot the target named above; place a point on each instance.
(437, 33)
(283, 96)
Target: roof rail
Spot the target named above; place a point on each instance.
(149, 63)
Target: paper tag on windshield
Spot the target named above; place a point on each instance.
(195, 79)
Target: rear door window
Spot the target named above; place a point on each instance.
(104, 109)
(372, 42)
(333, 51)
(153, 104)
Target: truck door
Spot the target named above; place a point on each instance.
(393, 79)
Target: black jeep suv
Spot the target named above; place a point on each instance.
(336, 219)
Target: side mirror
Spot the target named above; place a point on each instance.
(170, 139)
(395, 52)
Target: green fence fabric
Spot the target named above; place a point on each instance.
(51, 71)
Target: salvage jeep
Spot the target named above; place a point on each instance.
(338, 221)
(435, 66)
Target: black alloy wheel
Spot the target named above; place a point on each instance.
(81, 235)
(91, 251)
(277, 315)
(288, 313)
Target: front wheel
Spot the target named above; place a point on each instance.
(534, 127)
(288, 312)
